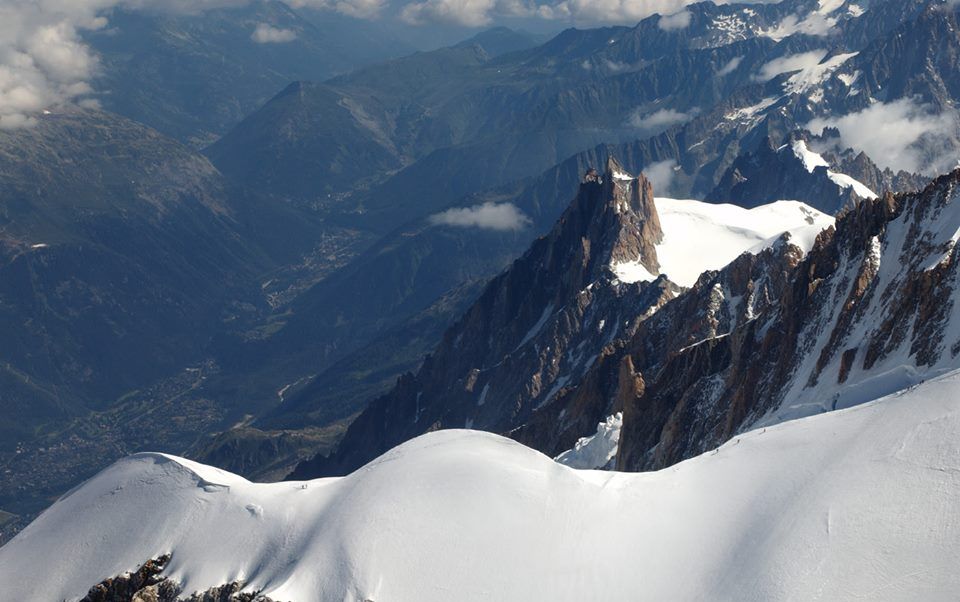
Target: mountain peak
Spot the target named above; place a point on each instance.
(612, 221)
(626, 226)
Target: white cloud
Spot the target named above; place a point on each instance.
(814, 24)
(730, 67)
(903, 134)
(793, 62)
(593, 12)
(489, 216)
(42, 60)
(661, 176)
(360, 9)
(680, 20)
(658, 121)
(266, 34)
(469, 13)
(617, 66)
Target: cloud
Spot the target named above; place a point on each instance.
(42, 60)
(478, 13)
(265, 34)
(502, 217)
(793, 62)
(627, 12)
(680, 20)
(658, 121)
(469, 13)
(661, 176)
(814, 24)
(359, 9)
(903, 134)
(730, 67)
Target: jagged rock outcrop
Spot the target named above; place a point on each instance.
(143, 585)
(868, 312)
(764, 175)
(829, 180)
(534, 331)
(771, 336)
(147, 584)
(687, 335)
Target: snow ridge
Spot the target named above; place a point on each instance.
(850, 504)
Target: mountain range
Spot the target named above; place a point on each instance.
(249, 246)
(696, 158)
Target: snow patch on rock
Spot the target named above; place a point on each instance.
(597, 450)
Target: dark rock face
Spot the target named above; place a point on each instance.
(143, 585)
(774, 172)
(686, 336)
(534, 330)
(764, 176)
(147, 584)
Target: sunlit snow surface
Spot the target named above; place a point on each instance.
(856, 504)
(699, 236)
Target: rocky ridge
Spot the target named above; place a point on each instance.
(868, 312)
(147, 584)
(765, 339)
(829, 180)
(533, 330)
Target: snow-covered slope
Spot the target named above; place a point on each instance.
(855, 504)
(699, 236)
(891, 307)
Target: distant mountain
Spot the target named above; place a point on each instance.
(121, 249)
(387, 147)
(503, 40)
(337, 147)
(337, 196)
(766, 175)
(486, 120)
(195, 76)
